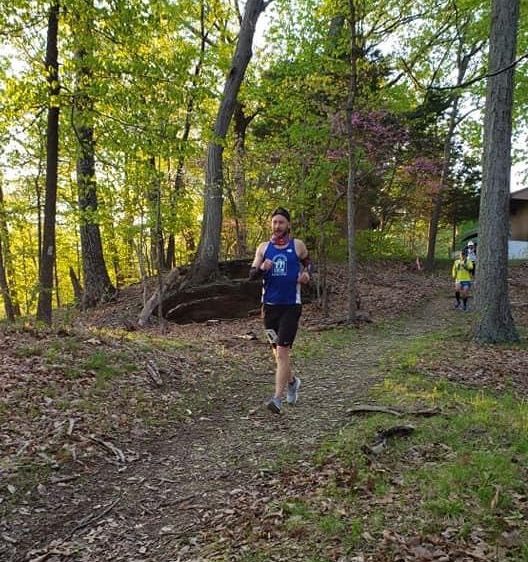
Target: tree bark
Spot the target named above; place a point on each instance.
(205, 264)
(352, 167)
(157, 246)
(241, 123)
(47, 260)
(97, 285)
(4, 289)
(76, 285)
(7, 261)
(494, 319)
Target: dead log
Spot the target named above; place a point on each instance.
(152, 304)
(228, 299)
(231, 295)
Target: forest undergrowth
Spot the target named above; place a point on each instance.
(153, 445)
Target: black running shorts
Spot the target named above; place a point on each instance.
(284, 319)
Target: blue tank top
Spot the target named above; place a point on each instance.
(280, 284)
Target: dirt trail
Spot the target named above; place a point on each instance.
(148, 509)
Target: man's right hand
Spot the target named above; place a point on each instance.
(266, 265)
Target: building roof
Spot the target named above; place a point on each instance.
(521, 194)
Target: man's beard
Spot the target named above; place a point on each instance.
(280, 238)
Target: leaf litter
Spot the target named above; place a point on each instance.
(105, 447)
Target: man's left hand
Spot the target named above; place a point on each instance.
(304, 278)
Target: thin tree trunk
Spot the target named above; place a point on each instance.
(494, 318)
(157, 246)
(160, 259)
(9, 268)
(4, 289)
(76, 285)
(463, 62)
(38, 195)
(56, 282)
(97, 285)
(438, 197)
(44, 312)
(241, 123)
(205, 264)
(352, 163)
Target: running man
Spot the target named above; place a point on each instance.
(283, 264)
(461, 272)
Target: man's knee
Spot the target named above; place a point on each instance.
(283, 353)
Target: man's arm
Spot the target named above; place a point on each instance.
(259, 265)
(259, 257)
(300, 249)
(304, 258)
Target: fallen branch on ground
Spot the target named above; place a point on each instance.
(110, 447)
(154, 374)
(365, 408)
(94, 517)
(381, 442)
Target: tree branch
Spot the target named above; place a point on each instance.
(483, 76)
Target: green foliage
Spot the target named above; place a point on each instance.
(151, 86)
(378, 244)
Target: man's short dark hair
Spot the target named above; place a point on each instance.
(281, 211)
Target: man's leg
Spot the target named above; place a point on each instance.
(288, 321)
(283, 374)
(457, 295)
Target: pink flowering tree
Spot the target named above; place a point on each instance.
(382, 144)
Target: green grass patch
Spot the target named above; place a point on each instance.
(462, 469)
(466, 467)
(103, 365)
(29, 350)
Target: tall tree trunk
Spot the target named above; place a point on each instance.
(494, 318)
(97, 284)
(7, 260)
(4, 289)
(462, 64)
(157, 246)
(444, 179)
(241, 123)
(47, 259)
(38, 195)
(205, 264)
(352, 165)
(56, 282)
(76, 286)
